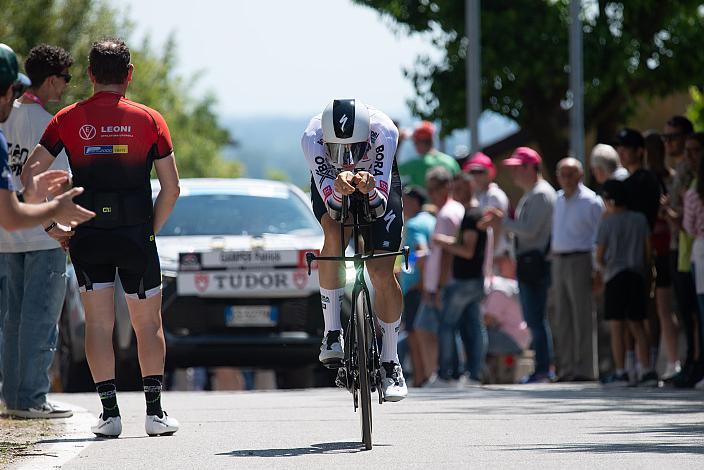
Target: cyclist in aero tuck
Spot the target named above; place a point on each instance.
(350, 131)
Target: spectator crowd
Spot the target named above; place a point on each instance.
(576, 284)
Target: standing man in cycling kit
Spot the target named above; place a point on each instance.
(112, 143)
(351, 146)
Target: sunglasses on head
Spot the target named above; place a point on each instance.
(477, 171)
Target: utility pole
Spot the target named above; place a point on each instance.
(576, 82)
(473, 68)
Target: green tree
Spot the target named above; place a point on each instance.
(199, 139)
(696, 109)
(634, 49)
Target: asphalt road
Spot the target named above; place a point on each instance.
(522, 427)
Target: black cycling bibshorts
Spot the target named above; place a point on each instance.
(131, 251)
(386, 231)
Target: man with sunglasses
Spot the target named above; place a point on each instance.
(15, 212)
(350, 147)
(33, 258)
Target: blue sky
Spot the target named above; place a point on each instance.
(284, 58)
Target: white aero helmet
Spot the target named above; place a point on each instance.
(346, 131)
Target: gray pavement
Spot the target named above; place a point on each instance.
(538, 426)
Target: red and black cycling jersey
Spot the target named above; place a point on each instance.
(111, 142)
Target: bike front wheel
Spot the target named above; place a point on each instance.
(365, 393)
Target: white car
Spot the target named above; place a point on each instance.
(236, 286)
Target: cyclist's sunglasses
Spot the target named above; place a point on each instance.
(347, 154)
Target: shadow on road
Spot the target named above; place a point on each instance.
(561, 400)
(322, 448)
(617, 448)
(674, 438)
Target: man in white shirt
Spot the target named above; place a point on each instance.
(35, 264)
(578, 212)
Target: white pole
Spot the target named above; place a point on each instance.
(576, 82)
(473, 68)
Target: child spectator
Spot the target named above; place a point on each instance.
(622, 252)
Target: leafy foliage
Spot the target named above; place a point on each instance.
(634, 49)
(199, 139)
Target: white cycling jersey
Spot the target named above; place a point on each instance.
(378, 161)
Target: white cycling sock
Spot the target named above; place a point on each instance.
(331, 301)
(389, 351)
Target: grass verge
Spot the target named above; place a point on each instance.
(18, 436)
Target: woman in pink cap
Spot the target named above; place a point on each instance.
(489, 194)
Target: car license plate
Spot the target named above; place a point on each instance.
(251, 315)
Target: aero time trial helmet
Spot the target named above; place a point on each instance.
(346, 131)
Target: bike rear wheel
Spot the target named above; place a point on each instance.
(365, 394)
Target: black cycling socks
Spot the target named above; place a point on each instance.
(108, 397)
(152, 393)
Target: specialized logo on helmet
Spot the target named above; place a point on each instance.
(87, 132)
(343, 111)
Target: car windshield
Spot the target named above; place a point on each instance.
(240, 214)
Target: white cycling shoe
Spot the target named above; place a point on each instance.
(332, 351)
(111, 427)
(164, 426)
(393, 385)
